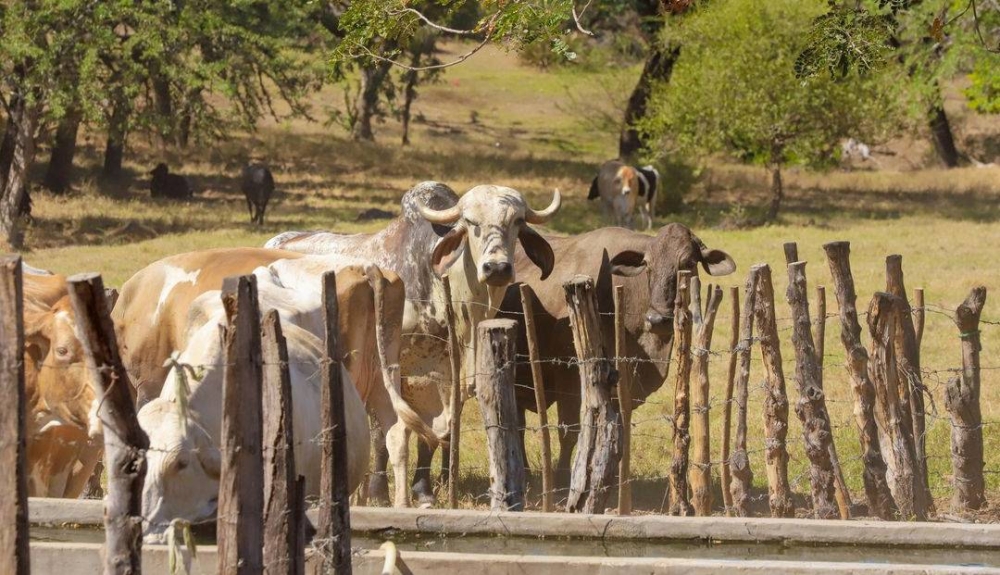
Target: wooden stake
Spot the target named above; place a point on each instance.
(962, 403)
(775, 400)
(734, 340)
(528, 307)
(455, 428)
(14, 552)
(880, 501)
(125, 443)
(496, 365)
(919, 315)
(625, 404)
(679, 504)
(598, 448)
(740, 461)
(700, 474)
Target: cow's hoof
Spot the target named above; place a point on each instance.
(427, 504)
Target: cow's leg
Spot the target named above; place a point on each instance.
(396, 442)
(423, 488)
(250, 209)
(568, 409)
(378, 481)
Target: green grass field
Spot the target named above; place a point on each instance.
(494, 120)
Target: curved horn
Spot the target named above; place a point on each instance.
(445, 216)
(542, 216)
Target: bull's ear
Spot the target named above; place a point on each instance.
(210, 460)
(448, 250)
(628, 263)
(594, 192)
(717, 262)
(37, 329)
(537, 249)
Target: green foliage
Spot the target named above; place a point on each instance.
(984, 92)
(845, 40)
(734, 90)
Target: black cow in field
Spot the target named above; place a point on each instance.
(167, 185)
(257, 186)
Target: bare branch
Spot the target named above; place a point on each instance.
(428, 21)
(578, 15)
(398, 64)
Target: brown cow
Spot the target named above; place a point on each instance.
(618, 186)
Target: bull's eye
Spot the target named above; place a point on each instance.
(181, 465)
(62, 352)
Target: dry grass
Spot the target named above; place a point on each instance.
(532, 133)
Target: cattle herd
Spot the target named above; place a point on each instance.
(168, 317)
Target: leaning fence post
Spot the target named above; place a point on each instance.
(528, 307)
(125, 443)
(455, 399)
(734, 340)
(811, 406)
(918, 315)
(598, 448)
(740, 460)
(496, 365)
(625, 404)
(775, 400)
(334, 529)
(14, 552)
(679, 504)
(962, 403)
(880, 502)
(282, 553)
(700, 474)
(241, 482)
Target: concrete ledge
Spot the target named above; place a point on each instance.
(85, 559)
(643, 527)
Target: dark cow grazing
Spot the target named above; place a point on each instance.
(167, 185)
(257, 186)
(617, 185)
(647, 266)
(649, 185)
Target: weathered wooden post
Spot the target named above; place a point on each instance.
(455, 428)
(734, 340)
(908, 359)
(598, 449)
(282, 552)
(740, 460)
(880, 501)
(14, 553)
(679, 504)
(820, 335)
(528, 307)
(496, 364)
(625, 404)
(775, 400)
(962, 403)
(125, 443)
(811, 406)
(700, 474)
(334, 529)
(919, 314)
(241, 482)
(891, 409)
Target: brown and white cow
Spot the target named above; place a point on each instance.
(620, 187)
(647, 266)
(155, 317)
(472, 239)
(63, 449)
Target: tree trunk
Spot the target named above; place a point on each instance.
(60, 171)
(16, 152)
(114, 150)
(409, 95)
(366, 106)
(944, 141)
(659, 66)
(777, 193)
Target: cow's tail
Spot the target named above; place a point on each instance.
(390, 371)
(278, 241)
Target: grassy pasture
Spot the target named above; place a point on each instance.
(493, 120)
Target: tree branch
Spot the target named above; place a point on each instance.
(439, 27)
(578, 15)
(398, 64)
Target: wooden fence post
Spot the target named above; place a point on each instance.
(880, 501)
(679, 504)
(282, 553)
(820, 335)
(775, 400)
(455, 427)
(528, 307)
(14, 553)
(241, 482)
(700, 474)
(740, 460)
(125, 443)
(598, 448)
(734, 340)
(625, 404)
(962, 403)
(496, 365)
(908, 360)
(919, 315)
(334, 529)
(811, 406)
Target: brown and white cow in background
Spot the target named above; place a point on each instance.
(62, 438)
(621, 188)
(155, 316)
(472, 239)
(647, 266)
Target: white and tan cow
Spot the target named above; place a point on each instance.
(620, 186)
(182, 480)
(63, 450)
(155, 316)
(473, 240)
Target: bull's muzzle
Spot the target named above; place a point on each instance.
(659, 322)
(498, 273)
